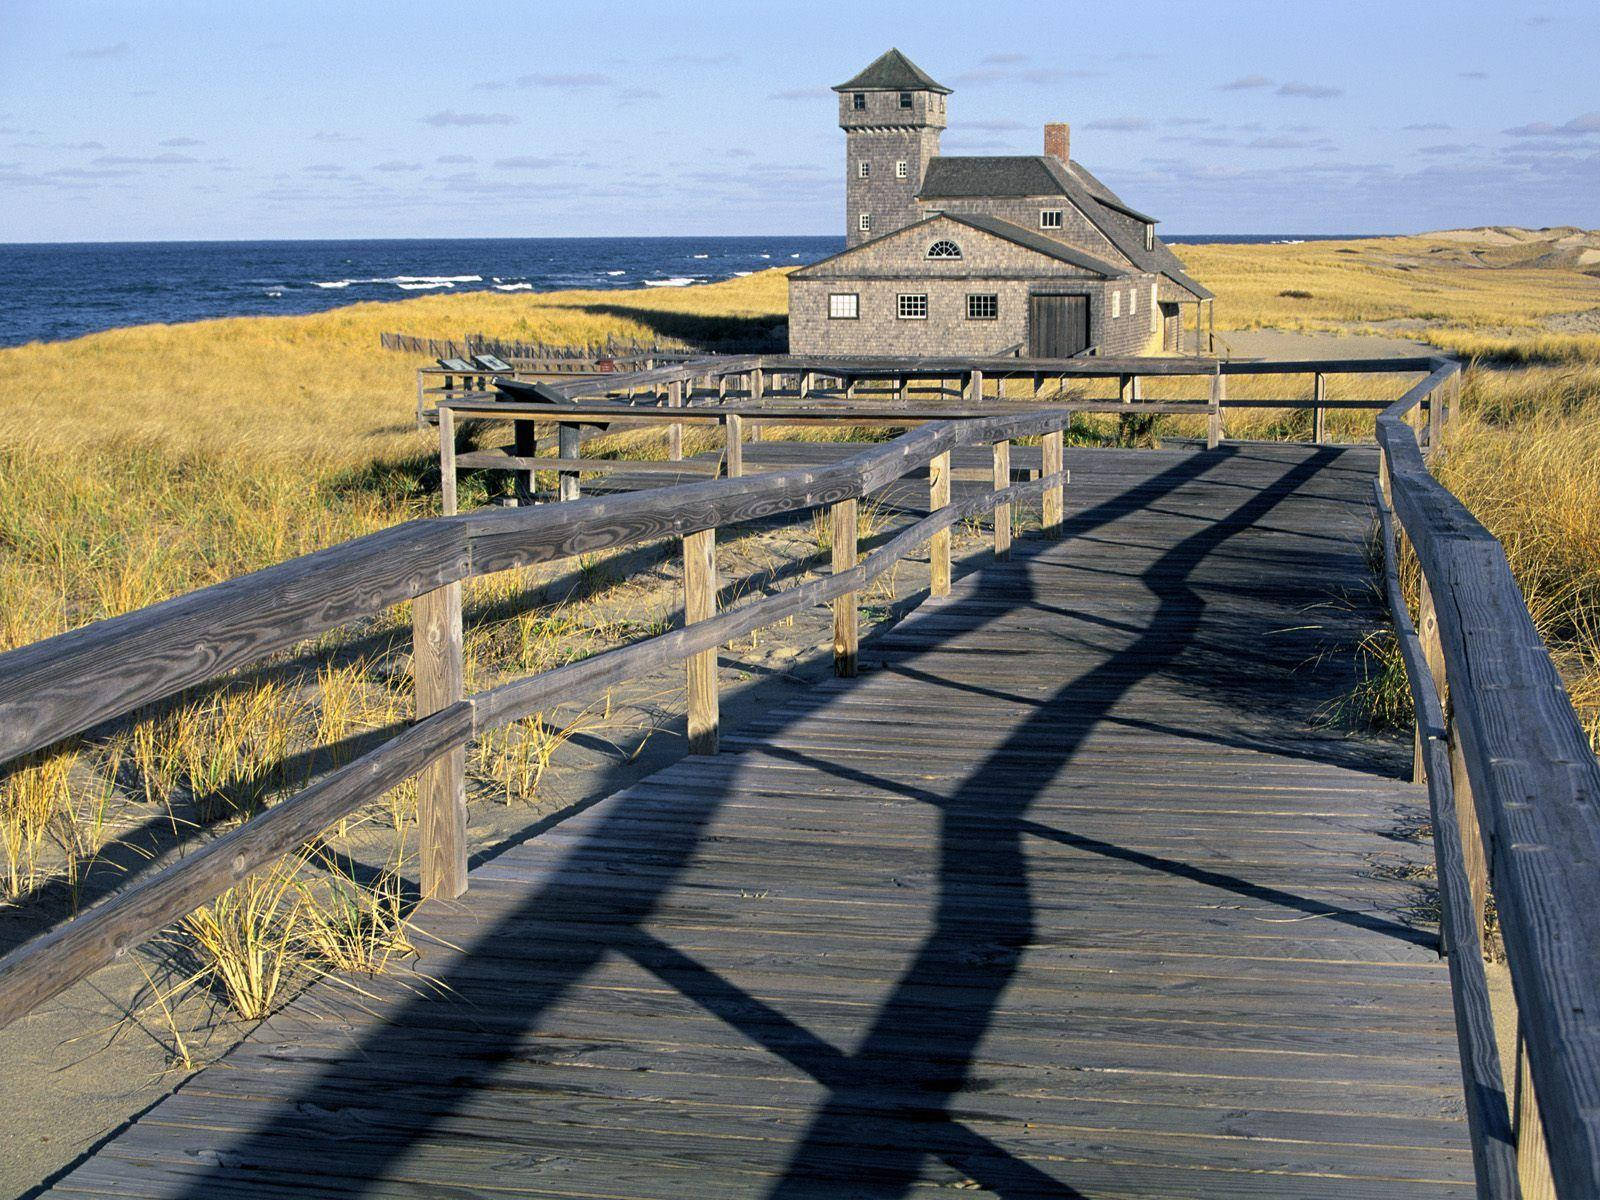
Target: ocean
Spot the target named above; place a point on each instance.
(53, 291)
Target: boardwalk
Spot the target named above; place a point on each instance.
(1070, 894)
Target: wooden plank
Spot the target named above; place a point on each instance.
(1002, 512)
(568, 437)
(1054, 500)
(700, 604)
(846, 615)
(733, 441)
(939, 544)
(438, 684)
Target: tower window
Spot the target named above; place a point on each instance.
(844, 306)
(1149, 236)
(913, 307)
(1116, 304)
(900, 169)
(983, 306)
(1050, 218)
(864, 168)
(944, 248)
(864, 223)
(858, 101)
(905, 99)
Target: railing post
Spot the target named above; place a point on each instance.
(525, 444)
(1433, 652)
(733, 440)
(675, 430)
(567, 442)
(939, 544)
(1319, 416)
(1053, 503)
(1219, 392)
(1472, 853)
(1002, 512)
(1533, 1155)
(437, 681)
(757, 390)
(846, 619)
(447, 461)
(700, 604)
(975, 387)
(1435, 404)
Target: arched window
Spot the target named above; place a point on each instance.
(944, 248)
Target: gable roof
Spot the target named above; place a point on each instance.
(1013, 175)
(995, 227)
(892, 71)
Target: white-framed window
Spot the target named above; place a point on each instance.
(1149, 236)
(944, 248)
(844, 306)
(1133, 302)
(983, 306)
(858, 101)
(864, 222)
(1155, 310)
(902, 169)
(1116, 305)
(864, 169)
(1050, 218)
(912, 306)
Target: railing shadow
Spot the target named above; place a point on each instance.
(893, 1090)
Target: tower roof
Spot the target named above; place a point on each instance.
(892, 71)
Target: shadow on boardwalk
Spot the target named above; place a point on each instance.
(887, 1106)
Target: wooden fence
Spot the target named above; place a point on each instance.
(1514, 787)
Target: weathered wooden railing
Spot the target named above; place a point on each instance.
(71, 683)
(1514, 790)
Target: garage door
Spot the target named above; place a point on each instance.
(1058, 326)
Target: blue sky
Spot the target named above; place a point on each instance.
(168, 120)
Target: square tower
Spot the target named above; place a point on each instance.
(892, 114)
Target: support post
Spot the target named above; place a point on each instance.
(846, 619)
(757, 390)
(975, 387)
(1533, 1155)
(1002, 512)
(437, 682)
(1125, 388)
(733, 439)
(1053, 504)
(939, 544)
(1435, 420)
(1472, 852)
(568, 439)
(700, 604)
(1433, 653)
(675, 430)
(525, 442)
(1214, 414)
(1319, 414)
(447, 461)
(805, 384)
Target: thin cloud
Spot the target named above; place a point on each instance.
(395, 164)
(455, 158)
(995, 126)
(985, 76)
(810, 93)
(1002, 60)
(86, 146)
(1245, 83)
(1310, 91)
(629, 95)
(1120, 124)
(115, 50)
(182, 142)
(1444, 148)
(333, 137)
(144, 160)
(564, 82)
(1583, 126)
(1429, 127)
(523, 162)
(1474, 74)
(449, 117)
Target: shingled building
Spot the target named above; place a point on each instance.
(981, 255)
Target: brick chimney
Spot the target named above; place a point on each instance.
(1058, 142)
